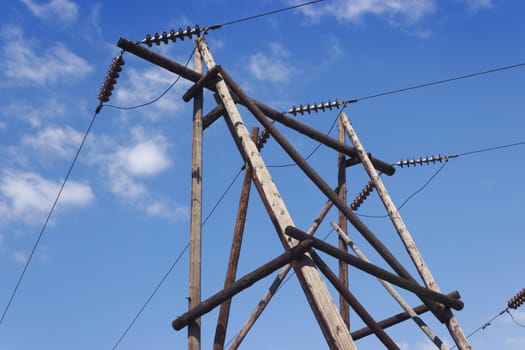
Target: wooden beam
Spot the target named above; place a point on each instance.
(376, 270)
(343, 223)
(396, 319)
(275, 285)
(356, 305)
(191, 75)
(194, 329)
(238, 286)
(320, 300)
(404, 305)
(235, 251)
(325, 188)
(454, 329)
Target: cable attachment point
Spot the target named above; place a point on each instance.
(361, 197)
(111, 78)
(424, 160)
(516, 301)
(316, 107)
(180, 34)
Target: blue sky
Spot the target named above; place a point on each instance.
(123, 217)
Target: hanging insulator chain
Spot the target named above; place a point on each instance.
(111, 79)
(361, 197)
(262, 139)
(316, 107)
(517, 300)
(424, 160)
(180, 34)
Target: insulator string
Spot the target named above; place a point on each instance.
(424, 160)
(316, 107)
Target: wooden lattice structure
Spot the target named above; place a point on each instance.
(299, 247)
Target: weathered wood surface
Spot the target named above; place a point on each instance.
(235, 252)
(241, 284)
(236, 342)
(356, 305)
(396, 319)
(454, 329)
(191, 75)
(376, 270)
(404, 305)
(318, 296)
(343, 222)
(194, 329)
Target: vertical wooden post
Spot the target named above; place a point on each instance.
(334, 329)
(224, 312)
(343, 223)
(454, 329)
(194, 329)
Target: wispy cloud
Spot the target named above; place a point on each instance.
(477, 5)
(146, 85)
(127, 167)
(30, 111)
(355, 10)
(273, 65)
(57, 141)
(20, 257)
(61, 11)
(27, 196)
(24, 64)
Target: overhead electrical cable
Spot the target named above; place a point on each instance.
(165, 276)
(323, 106)
(270, 13)
(514, 303)
(49, 215)
(427, 160)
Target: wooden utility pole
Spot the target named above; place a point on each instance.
(422, 268)
(343, 223)
(333, 327)
(194, 329)
(298, 245)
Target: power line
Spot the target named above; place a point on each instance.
(492, 148)
(323, 106)
(270, 13)
(165, 276)
(46, 222)
(446, 159)
(448, 80)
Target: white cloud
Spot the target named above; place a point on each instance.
(34, 114)
(128, 166)
(55, 140)
(355, 10)
(477, 5)
(23, 63)
(20, 257)
(27, 196)
(63, 11)
(145, 158)
(145, 86)
(274, 67)
(515, 341)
